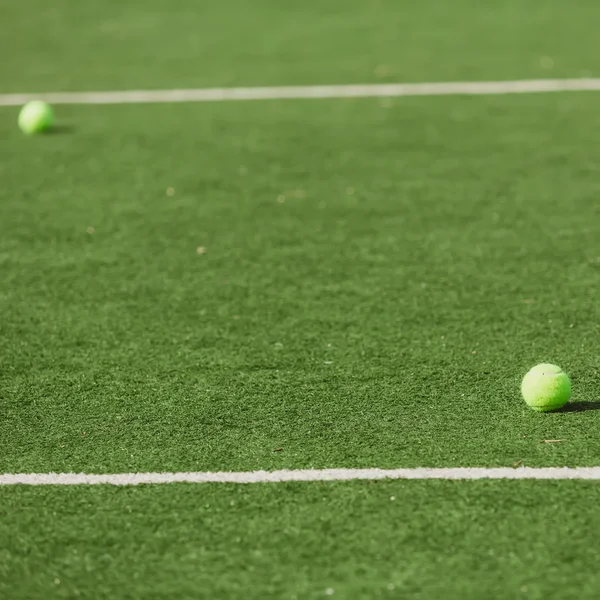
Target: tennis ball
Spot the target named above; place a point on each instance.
(36, 116)
(546, 387)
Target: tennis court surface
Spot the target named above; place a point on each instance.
(299, 284)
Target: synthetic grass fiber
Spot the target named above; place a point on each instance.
(376, 280)
(298, 284)
(500, 540)
(372, 283)
(115, 44)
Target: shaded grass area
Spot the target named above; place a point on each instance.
(375, 279)
(71, 45)
(457, 540)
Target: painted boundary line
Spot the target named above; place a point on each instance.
(306, 92)
(459, 473)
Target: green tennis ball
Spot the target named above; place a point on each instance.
(546, 387)
(36, 116)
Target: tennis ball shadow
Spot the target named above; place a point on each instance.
(580, 406)
(59, 130)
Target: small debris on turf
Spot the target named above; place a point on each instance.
(91, 230)
(515, 465)
(278, 450)
(170, 191)
(551, 441)
(200, 250)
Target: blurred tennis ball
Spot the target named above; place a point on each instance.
(36, 116)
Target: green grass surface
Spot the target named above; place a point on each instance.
(74, 44)
(377, 277)
(454, 540)
(426, 255)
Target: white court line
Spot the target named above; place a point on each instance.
(458, 473)
(318, 91)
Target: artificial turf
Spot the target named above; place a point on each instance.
(344, 283)
(116, 44)
(350, 541)
(376, 280)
